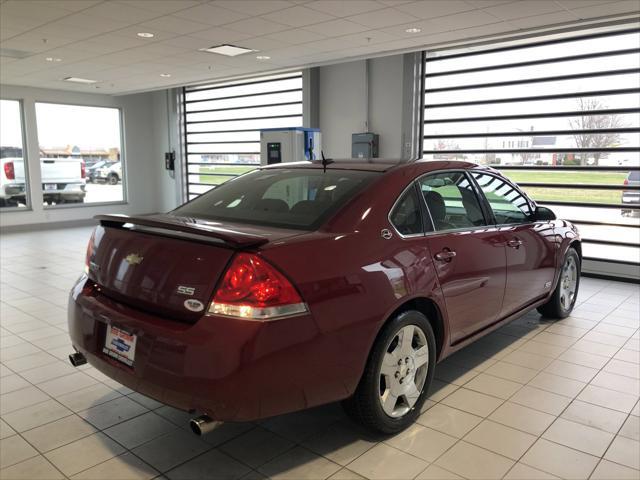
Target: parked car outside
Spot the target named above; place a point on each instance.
(92, 171)
(111, 174)
(12, 182)
(296, 285)
(63, 181)
(631, 196)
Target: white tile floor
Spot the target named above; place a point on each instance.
(536, 399)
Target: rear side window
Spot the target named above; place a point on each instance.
(451, 201)
(292, 198)
(508, 204)
(406, 215)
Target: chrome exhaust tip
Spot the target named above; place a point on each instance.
(77, 359)
(202, 424)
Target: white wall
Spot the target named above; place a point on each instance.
(166, 137)
(140, 155)
(343, 104)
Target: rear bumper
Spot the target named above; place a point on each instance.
(12, 190)
(230, 369)
(64, 192)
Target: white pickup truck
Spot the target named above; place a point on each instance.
(63, 181)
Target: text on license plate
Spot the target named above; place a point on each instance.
(50, 186)
(120, 345)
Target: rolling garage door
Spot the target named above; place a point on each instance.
(559, 115)
(222, 124)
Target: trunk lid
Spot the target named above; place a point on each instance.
(165, 264)
(61, 170)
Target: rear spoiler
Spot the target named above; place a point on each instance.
(183, 227)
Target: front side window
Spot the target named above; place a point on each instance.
(451, 201)
(406, 215)
(292, 198)
(509, 205)
(13, 180)
(80, 154)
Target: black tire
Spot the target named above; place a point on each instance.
(365, 405)
(113, 179)
(555, 308)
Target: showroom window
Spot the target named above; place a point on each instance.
(560, 115)
(223, 122)
(13, 184)
(81, 157)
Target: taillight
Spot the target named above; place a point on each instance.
(626, 181)
(90, 251)
(252, 288)
(83, 170)
(9, 171)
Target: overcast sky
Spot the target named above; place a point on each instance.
(62, 125)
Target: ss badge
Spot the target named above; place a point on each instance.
(184, 290)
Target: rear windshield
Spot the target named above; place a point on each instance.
(294, 198)
(634, 176)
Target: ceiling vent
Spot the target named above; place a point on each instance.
(227, 50)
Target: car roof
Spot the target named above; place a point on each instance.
(377, 164)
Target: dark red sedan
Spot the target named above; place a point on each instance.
(302, 284)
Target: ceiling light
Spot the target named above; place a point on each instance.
(165, 75)
(53, 59)
(145, 35)
(79, 80)
(263, 57)
(413, 30)
(228, 50)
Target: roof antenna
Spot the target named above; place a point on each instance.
(325, 162)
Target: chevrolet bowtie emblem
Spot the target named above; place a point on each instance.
(133, 259)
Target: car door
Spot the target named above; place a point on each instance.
(530, 245)
(468, 254)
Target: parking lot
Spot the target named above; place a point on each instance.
(99, 193)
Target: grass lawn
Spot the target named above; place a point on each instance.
(570, 195)
(224, 170)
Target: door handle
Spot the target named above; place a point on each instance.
(514, 243)
(445, 255)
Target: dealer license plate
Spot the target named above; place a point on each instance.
(120, 345)
(50, 186)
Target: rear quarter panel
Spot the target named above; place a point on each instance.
(353, 279)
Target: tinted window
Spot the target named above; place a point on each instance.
(451, 201)
(295, 198)
(507, 203)
(406, 216)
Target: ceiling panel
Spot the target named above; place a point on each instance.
(298, 16)
(435, 8)
(99, 39)
(211, 14)
(336, 28)
(382, 18)
(344, 8)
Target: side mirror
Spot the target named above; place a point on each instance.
(543, 214)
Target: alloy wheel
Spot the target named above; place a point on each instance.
(568, 283)
(403, 371)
